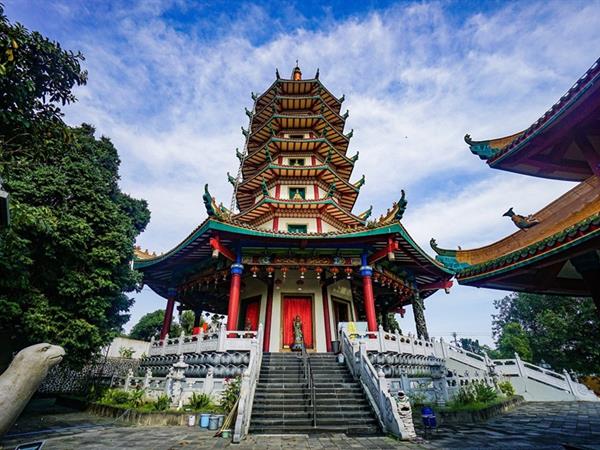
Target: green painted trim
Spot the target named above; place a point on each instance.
(515, 259)
(211, 224)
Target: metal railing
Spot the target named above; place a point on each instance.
(310, 383)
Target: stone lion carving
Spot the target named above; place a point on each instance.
(22, 378)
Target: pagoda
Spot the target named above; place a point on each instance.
(291, 246)
(555, 250)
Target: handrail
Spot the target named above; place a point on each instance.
(377, 389)
(248, 387)
(310, 383)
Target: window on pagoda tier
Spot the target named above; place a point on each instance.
(297, 193)
(296, 136)
(296, 161)
(296, 228)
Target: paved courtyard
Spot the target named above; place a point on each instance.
(531, 425)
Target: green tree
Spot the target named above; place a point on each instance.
(186, 321)
(514, 340)
(562, 331)
(65, 260)
(471, 345)
(150, 325)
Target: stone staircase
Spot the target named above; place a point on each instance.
(282, 403)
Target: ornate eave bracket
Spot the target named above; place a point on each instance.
(212, 209)
(396, 213)
(480, 148)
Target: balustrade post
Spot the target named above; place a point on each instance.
(180, 342)
(569, 382)
(209, 382)
(362, 352)
(444, 348)
(147, 378)
(522, 371)
(222, 340)
(128, 379)
(412, 343)
(199, 340)
(164, 344)
(398, 343)
(381, 338)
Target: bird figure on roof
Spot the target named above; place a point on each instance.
(522, 222)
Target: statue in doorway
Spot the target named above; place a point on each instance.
(298, 335)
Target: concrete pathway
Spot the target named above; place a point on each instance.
(531, 425)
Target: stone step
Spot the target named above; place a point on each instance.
(322, 409)
(321, 421)
(307, 415)
(297, 396)
(308, 429)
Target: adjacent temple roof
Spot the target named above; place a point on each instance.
(563, 144)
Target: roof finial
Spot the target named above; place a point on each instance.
(296, 73)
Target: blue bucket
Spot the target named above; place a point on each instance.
(204, 420)
(428, 416)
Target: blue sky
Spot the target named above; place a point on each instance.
(169, 80)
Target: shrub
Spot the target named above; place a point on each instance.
(200, 401)
(231, 394)
(136, 398)
(507, 388)
(116, 397)
(476, 393)
(161, 403)
(484, 393)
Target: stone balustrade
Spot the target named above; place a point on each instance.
(213, 340)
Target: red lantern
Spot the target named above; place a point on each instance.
(376, 277)
(302, 271)
(334, 271)
(300, 283)
(348, 271)
(284, 271)
(318, 270)
(254, 270)
(270, 271)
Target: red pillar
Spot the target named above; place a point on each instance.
(168, 314)
(326, 316)
(233, 310)
(366, 272)
(268, 312)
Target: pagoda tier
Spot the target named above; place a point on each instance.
(295, 165)
(275, 148)
(563, 144)
(307, 104)
(320, 176)
(298, 125)
(298, 88)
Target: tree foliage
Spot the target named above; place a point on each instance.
(150, 324)
(562, 331)
(64, 261)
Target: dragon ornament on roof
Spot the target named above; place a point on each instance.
(212, 209)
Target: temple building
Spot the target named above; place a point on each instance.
(556, 250)
(290, 245)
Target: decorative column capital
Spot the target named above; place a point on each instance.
(171, 292)
(366, 271)
(237, 269)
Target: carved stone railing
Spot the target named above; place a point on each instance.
(518, 368)
(384, 341)
(248, 387)
(376, 387)
(214, 340)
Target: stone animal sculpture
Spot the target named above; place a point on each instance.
(522, 222)
(22, 378)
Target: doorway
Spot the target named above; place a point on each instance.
(249, 313)
(297, 306)
(341, 312)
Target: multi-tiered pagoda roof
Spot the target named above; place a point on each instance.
(295, 196)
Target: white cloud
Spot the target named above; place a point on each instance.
(415, 78)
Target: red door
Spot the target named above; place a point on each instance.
(250, 313)
(297, 306)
